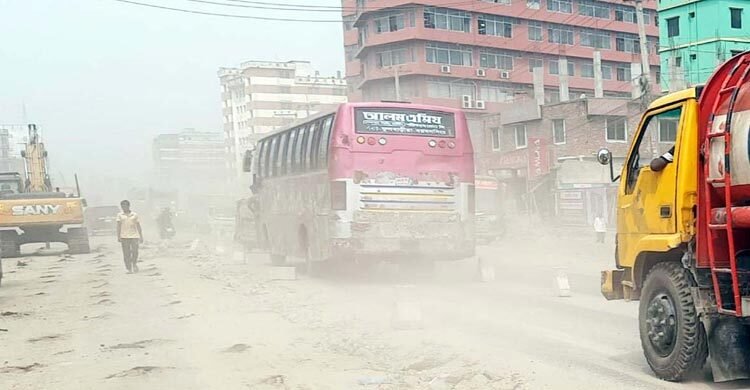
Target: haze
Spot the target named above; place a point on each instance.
(102, 78)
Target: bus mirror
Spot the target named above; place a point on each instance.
(604, 156)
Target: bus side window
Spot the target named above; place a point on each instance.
(281, 155)
(273, 156)
(290, 150)
(261, 157)
(300, 152)
(325, 139)
(267, 158)
(312, 133)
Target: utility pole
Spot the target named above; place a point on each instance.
(645, 79)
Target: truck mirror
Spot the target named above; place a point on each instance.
(604, 156)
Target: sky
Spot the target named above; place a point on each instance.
(102, 78)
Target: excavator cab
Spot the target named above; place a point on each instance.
(11, 183)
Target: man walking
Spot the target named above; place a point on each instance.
(129, 234)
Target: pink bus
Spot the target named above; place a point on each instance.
(380, 181)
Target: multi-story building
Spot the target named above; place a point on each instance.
(548, 153)
(190, 159)
(478, 54)
(261, 96)
(695, 36)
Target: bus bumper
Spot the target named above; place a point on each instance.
(402, 249)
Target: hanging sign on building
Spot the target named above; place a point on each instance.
(538, 158)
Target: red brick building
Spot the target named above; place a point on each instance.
(562, 139)
(477, 54)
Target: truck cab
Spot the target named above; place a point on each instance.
(683, 227)
(655, 210)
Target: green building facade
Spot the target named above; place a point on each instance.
(697, 35)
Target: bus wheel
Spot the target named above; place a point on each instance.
(672, 335)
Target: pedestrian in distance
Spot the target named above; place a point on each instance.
(600, 227)
(130, 235)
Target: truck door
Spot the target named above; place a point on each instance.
(647, 198)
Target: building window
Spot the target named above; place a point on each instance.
(623, 73)
(553, 67)
(560, 34)
(496, 59)
(736, 15)
(596, 38)
(445, 53)
(668, 130)
(678, 62)
(495, 25)
(628, 43)
(533, 4)
(447, 19)
(606, 72)
(553, 97)
(495, 134)
(673, 26)
(564, 6)
(390, 23)
(558, 131)
(535, 63)
(439, 88)
(593, 8)
(535, 31)
(393, 57)
(520, 134)
(616, 129)
(495, 93)
(625, 14)
(587, 70)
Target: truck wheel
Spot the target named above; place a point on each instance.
(672, 335)
(78, 241)
(9, 246)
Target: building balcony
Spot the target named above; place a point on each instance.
(519, 42)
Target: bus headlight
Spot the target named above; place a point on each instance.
(360, 140)
(432, 143)
(382, 141)
(451, 144)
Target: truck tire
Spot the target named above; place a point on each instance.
(78, 241)
(672, 336)
(9, 246)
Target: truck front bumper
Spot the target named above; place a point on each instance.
(612, 287)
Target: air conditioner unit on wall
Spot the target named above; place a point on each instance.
(479, 105)
(466, 101)
(481, 73)
(445, 68)
(504, 74)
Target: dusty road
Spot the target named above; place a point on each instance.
(196, 320)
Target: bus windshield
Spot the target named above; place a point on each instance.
(396, 121)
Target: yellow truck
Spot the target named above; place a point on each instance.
(683, 227)
(31, 211)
